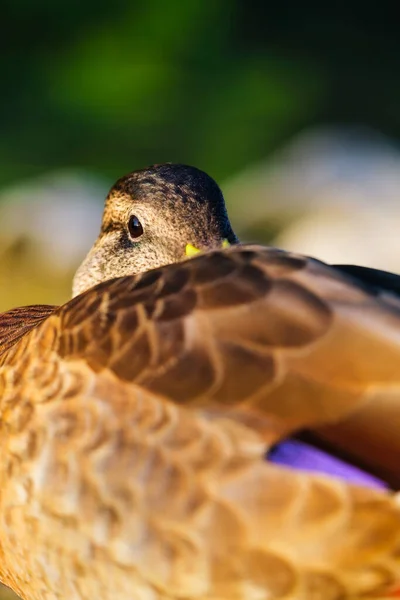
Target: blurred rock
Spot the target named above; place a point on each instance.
(46, 227)
(333, 193)
(59, 215)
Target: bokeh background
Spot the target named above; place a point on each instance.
(293, 107)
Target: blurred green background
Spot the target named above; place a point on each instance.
(108, 86)
(292, 107)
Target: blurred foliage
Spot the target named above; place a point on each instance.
(111, 86)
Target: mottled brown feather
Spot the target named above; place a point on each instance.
(135, 419)
(18, 321)
(298, 320)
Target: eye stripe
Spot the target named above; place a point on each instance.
(109, 227)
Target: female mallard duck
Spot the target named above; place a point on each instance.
(136, 417)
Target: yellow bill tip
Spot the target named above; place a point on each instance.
(191, 250)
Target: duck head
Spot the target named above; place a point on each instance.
(153, 217)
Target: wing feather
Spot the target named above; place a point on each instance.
(167, 387)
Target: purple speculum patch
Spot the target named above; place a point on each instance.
(301, 456)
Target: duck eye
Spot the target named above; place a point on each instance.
(135, 227)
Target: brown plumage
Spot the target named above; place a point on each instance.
(135, 420)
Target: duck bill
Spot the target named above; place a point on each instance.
(191, 250)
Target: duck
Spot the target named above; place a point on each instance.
(136, 419)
